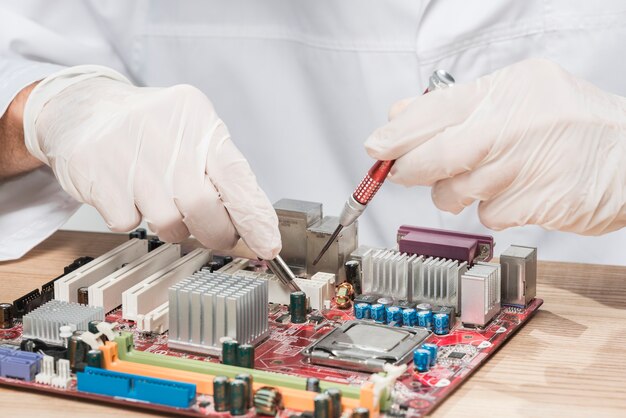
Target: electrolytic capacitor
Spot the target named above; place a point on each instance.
(237, 395)
(77, 351)
(227, 259)
(432, 348)
(245, 356)
(377, 311)
(385, 301)
(297, 307)
(94, 358)
(6, 315)
(221, 398)
(441, 323)
(409, 317)
(424, 307)
(92, 326)
(335, 401)
(313, 384)
(249, 386)
(362, 310)
(230, 351)
(82, 295)
(421, 360)
(353, 275)
(394, 315)
(425, 319)
(214, 266)
(360, 413)
(322, 407)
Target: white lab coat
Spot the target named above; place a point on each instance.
(301, 84)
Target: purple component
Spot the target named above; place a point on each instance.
(442, 243)
(19, 364)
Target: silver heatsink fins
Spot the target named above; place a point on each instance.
(413, 277)
(44, 322)
(206, 307)
(480, 294)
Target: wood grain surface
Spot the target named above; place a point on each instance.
(569, 360)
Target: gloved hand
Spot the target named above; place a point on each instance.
(531, 142)
(158, 153)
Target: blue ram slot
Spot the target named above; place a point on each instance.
(125, 385)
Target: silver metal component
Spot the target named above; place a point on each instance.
(440, 79)
(351, 212)
(207, 307)
(519, 275)
(44, 322)
(283, 272)
(366, 346)
(480, 295)
(339, 249)
(294, 217)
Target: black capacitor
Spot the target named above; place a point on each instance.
(313, 384)
(94, 358)
(297, 307)
(322, 406)
(221, 399)
(353, 275)
(6, 315)
(214, 266)
(230, 351)
(93, 326)
(77, 351)
(237, 395)
(83, 295)
(335, 401)
(245, 356)
(140, 233)
(246, 377)
(227, 259)
(360, 413)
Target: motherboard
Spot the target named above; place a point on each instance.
(371, 332)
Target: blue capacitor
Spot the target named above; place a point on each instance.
(432, 349)
(421, 360)
(442, 323)
(425, 319)
(409, 317)
(377, 312)
(362, 311)
(394, 314)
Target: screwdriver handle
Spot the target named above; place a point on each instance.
(372, 181)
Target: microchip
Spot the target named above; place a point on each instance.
(316, 318)
(283, 318)
(457, 355)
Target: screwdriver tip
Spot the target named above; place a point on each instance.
(328, 244)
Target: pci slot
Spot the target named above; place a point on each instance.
(66, 287)
(151, 292)
(108, 291)
(156, 320)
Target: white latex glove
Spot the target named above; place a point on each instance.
(158, 153)
(531, 142)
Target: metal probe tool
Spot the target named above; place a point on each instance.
(375, 177)
(283, 272)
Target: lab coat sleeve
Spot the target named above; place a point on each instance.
(32, 206)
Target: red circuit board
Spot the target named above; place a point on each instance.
(415, 394)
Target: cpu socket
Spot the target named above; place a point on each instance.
(365, 346)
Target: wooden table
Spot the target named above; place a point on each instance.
(569, 360)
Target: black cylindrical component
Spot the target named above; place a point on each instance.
(313, 384)
(297, 307)
(353, 275)
(237, 396)
(360, 413)
(6, 315)
(322, 406)
(230, 353)
(93, 326)
(83, 295)
(246, 377)
(221, 398)
(140, 233)
(245, 356)
(94, 358)
(214, 266)
(227, 259)
(335, 401)
(77, 351)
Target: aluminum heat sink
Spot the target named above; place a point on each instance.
(44, 322)
(206, 307)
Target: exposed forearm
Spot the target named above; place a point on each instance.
(14, 157)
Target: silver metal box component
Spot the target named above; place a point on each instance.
(365, 346)
(332, 262)
(294, 217)
(206, 307)
(480, 294)
(44, 322)
(519, 275)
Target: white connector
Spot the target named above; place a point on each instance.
(155, 321)
(314, 291)
(151, 292)
(108, 291)
(329, 279)
(63, 377)
(47, 371)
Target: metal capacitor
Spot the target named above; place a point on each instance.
(362, 310)
(385, 301)
(377, 312)
(245, 356)
(360, 413)
(322, 407)
(409, 317)
(394, 315)
(6, 315)
(220, 394)
(421, 360)
(432, 348)
(230, 351)
(250, 390)
(94, 358)
(83, 295)
(335, 401)
(425, 319)
(297, 307)
(441, 323)
(353, 275)
(313, 384)
(237, 395)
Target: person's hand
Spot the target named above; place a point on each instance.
(531, 142)
(158, 153)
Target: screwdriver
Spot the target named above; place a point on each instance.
(375, 177)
